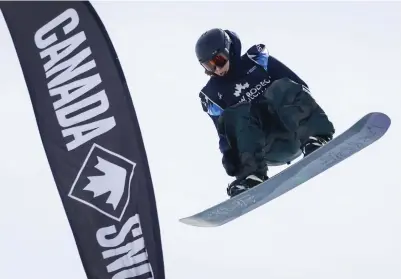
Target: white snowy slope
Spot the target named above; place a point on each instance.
(344, 223)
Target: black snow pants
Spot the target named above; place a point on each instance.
(271, 131)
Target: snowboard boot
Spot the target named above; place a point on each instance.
(241, 185)
(314, 143)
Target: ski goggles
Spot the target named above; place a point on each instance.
(219, 60)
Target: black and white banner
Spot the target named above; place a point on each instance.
(91, 136)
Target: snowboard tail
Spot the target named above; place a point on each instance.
(361, 134)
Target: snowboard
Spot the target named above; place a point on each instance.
(361, 134)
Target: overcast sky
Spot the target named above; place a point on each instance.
(343, 224)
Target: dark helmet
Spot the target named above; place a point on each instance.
(212, 42)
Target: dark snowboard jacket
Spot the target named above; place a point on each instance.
(249, 76)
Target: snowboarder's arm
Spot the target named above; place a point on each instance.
(223, 144)
(259, 54)
(278, 70)
(229, 157)
(214, 111)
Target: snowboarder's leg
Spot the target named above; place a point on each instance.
(247, 140)
(299, 113)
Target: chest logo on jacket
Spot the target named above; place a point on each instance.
(239, 87)
(254, 92)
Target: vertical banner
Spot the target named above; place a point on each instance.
(91, 136)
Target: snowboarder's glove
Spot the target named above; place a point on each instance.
(230, 162)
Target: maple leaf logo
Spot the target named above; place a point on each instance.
(104, 182)
(113, 182)
(239, 87)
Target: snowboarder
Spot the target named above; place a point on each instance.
(263, 112)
